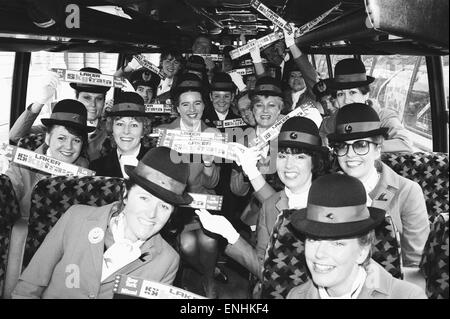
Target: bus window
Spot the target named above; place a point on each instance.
(445, 68)
(43, 61)
(6, 73)
(321, 65)
(336, 58)
(401, 84)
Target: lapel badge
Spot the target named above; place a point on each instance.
(96, 235)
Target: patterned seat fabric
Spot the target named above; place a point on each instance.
(434, 263)
(9, 213)
(52, 196)
(285, 264)
(430, 171)
(31, 141)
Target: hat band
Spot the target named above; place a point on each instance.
(221, 85)
(337, 215)
(194, 66)
(357, 127)
(354, 77)
(299, 137)
(268, 87)
(127, 107)
(69, 117)
(160, 179)
(188, 84)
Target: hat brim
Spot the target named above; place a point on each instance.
(320, 230)
(127, 114)
(337, 137)
(332, 84)
(303, 145)
(161, 193)
(251, 94)
(89, 88)
(83, 128)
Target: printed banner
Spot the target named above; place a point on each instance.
(243, 71)
(89, 78)
(249, 62)
(243, 31)
(212, 56)
(148, 65)
(272, 16)
(42, 162)
(265, 40)
(230, 123)
(158, 108)
(206, 201)
(142, 288)
(273, 131)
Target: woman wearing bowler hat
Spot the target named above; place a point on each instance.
(89, 246)
(339, 231)
(300, 159)
(351, 85)
(357, 145)
(128, 124)
(65, 139)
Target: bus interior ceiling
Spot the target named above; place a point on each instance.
(357, 27)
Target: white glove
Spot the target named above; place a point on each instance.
(218, 225)
(289, 37)
(237, 80)
(248, 158)
(45, 92)
(254, 51)
(134, 64)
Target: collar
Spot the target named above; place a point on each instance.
(195, 128)
(357, 286)
(130, 159)
(378, 279)
(296, 96)
(388, 178)
(135, 153)
(297, 200)
(221, 116)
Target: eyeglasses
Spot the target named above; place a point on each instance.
(360, 147)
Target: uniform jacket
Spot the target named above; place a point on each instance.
(109, 165)
(69, 265)
(210, 116)
(24, 126)
(379, 284)
(24, 179)
(406, 205)
(248, 256)
(198, 182)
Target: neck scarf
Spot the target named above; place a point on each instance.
(123, 251)
(354, 292)
(130, 159)
(300, 200)
(195, 128)
(369, 182)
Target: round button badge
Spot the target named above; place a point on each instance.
(96, 235)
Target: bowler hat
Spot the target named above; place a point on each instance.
(160, 176)
(187, 82)
(196, 63)
(336, 209)
(128, 104)
(355, 121)
(301, 132)
(222, 81)
(348, 74)
(145, 77)
(80, 87)
(70, 113)
(267, 86)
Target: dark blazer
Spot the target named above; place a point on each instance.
(109, 165)
(210, 116)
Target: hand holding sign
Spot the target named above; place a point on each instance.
(254, 51)
(248, 158)
(218, 225)
(289, 37)
(47, 89)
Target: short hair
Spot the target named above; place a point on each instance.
(76, 132)
(166, 52)
(147, 129)
(318, 159)
(363, 89)
(256, 98)
(364, 241)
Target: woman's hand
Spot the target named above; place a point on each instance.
(218, 225)
(248, 158)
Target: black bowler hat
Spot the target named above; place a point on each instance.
(145, 77)
(267, 86)
(336, 209)
(196, 63)
(301, 132)
(187, 82)
(355, 121)
(80, 87)
(349, 74)
(128, 104)
(222, 81)
(70, 113)
(160, 176)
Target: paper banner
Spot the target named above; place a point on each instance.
(89, 78)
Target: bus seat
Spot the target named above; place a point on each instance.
(31, 141)
(430, 171)
(434, 263)
(51, 197)
(9, 214)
